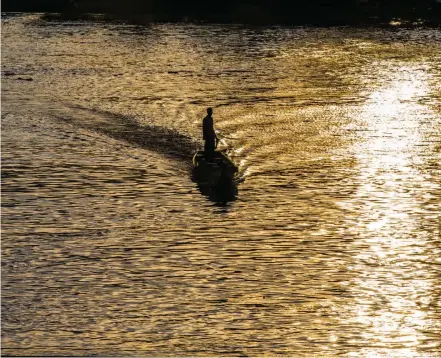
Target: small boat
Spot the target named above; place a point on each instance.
(219, 170)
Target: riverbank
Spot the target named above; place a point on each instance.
(279, 12)
(149, 18)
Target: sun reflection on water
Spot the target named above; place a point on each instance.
(389, 285)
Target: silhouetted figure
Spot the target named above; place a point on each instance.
(209, 135)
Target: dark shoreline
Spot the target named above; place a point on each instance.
(316, 13)
(147, 19)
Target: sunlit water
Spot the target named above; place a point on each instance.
(332, 247)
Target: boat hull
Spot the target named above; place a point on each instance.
(219, 170)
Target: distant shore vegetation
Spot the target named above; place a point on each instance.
(258, 12)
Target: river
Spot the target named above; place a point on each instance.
(331, 245)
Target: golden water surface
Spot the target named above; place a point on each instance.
(332, 246)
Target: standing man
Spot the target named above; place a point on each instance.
(209, 134)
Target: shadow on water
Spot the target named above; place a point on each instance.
(163, 140)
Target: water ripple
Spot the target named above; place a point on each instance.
(331, 247)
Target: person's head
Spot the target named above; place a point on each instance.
(210, 111)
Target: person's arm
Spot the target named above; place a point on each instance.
(216, 138)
